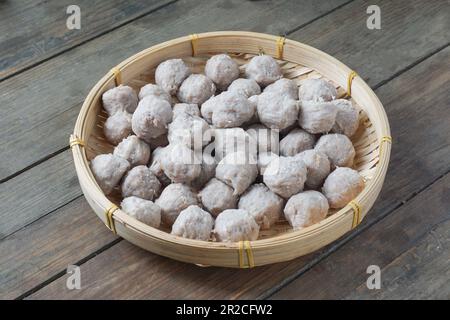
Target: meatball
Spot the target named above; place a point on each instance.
(284, 87)
(117, 127)
(264, 205)
(191, 131)
(143, 210)
(155, 166)
(264, 159)
(317, 117)
(134, 150)
(233, 140)
(338, 148)
(222, 70)
(121, 98)
(217, 196)
(193, 223)
(317, 90)
(285, 176)
(318, 167)
(266, 139)
(173, 199)
(238, 170)
(347, 118)
(151, 118)
(277, 111)
(189, 108)
(263, 69)
(295, 142)
(247, 87)
(234, 225)
(197, 88)
(142, 183)
(154, 90)
(180, 163)
(342, 186)
(305, 209)
(108, 169)
(170, 74)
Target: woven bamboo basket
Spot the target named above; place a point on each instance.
(298, 61)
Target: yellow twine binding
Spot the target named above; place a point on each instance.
(384, 139)
(280, 47)
(74, 141)
(117, 75)
(194, 44)
(356, 213)
(251, 262)
(351, 76)
(109, 218)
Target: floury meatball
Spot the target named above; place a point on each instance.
(108, 169)
(142, 183)
(305, 209)
(222, 70)
(151, 118)
(295, 142)
(338, 148)
(235, 225)
(285, 176)
(263, 69)
(134, 150)
(347, 118)
(189, 130)
(318, 167)
(180, 163)
(121, 98)
(317, 117)
(170, 74)
(154, 90)
(265, 206)
(247, 87)
(277, 111)
(317, 90)
(173, 199)
(217, 196)
(284, 87)
(197, 88)
(342, 186)
(193, 223)
(143, 210)
(117, 127)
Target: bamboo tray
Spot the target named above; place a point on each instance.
(298, 61)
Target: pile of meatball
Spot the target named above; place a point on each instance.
(219, 157)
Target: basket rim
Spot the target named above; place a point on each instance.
(84, 171)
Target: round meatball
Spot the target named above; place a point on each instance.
(263, 69)
(317, 90)
(121, 98)
(318, 167)
(264, 159)
(193, 223)
(284, 87)
(142, 183)
(154, 90)
(191, 131)
(143, 210)
(222, 70)
(277, 111)
(342, 186)
(117, 127)
(217, 196)
(170, 74)
(285, 176)
(173, 199)
(233, 140)
(234, 225)
(207, 168)
(238, 170)
(108, 169)
(134, 150)
(155, 166)
(266, 139)
(247, 87)
(180, 163)
(338, 148)
(197, 88)
(347, 118)
(295, 142)
(264, 205)
(189, 108)
(305, 209)
(317, 117)
(151, 118)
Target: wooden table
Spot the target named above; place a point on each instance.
(46, 71)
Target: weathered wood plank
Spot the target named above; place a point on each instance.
(411, 246)
(45, 122)
(43, 33)
(410, 116)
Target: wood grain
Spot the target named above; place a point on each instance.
(411, 246)
(145, 275)
(43, 32)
